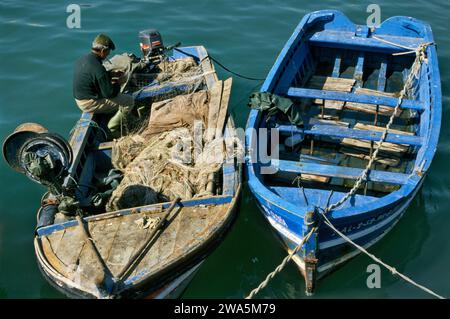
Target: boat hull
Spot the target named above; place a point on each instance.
(165, 282)
(321, 41)
(170, 290)
(335, 252)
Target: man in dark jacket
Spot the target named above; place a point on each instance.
(93, 88)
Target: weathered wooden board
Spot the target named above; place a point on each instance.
(386, 146)
(371, 108)
(69, 247)
(53, 259)
(380, 159)
(331, 84)
(223, 107)
(129, 237)
(362, 126)
(213, 111)
(314, 178)
(193, 227)
(116, 238)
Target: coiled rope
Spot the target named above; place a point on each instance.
(421, 57)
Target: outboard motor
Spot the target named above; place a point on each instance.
(45, 158)
(151, 44)
(152, 47)
(42, 156)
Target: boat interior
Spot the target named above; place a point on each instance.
(92, 144)
(347, 90)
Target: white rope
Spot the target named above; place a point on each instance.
(280, 267)
(410, 50)
(413, 74)
(376, 259)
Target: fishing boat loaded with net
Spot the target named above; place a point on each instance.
(135, 213)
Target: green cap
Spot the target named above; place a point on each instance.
(102, 41)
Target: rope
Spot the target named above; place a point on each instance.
(415, 68)
(280, 267)
(376, 259)
(220, 64)
(413, 74)
(410, 50)
(232, 72)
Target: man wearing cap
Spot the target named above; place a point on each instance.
(93, 88)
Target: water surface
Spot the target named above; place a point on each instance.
(37, 52)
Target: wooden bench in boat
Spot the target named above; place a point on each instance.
(342, 40)
(294, 92)
(360, 132)
(339, 171)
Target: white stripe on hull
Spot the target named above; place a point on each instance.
(338, 241)
(287, 236)
(175, 288)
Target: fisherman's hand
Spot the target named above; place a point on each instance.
(116, 76)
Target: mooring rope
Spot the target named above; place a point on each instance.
(378, 260)
(231, 71)
(413, 74)
(280, 267)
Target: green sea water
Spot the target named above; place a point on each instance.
(37, 52)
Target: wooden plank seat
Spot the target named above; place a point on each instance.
(359, 132)
(338, 171)
(319, 160)
(348, 40)
(294, 92)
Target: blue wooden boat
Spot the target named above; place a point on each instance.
(164, 265)
(345, 80)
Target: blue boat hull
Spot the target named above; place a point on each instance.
(295, 210)
(333, 250)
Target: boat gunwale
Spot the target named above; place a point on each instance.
(194, 256)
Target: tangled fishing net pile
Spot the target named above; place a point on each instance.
(168, 79)
(165, 159)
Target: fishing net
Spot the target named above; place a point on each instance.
(168, 157)
(168, 79)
